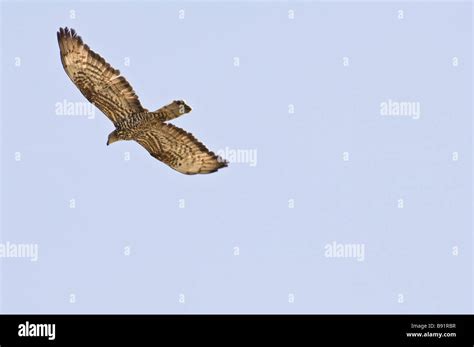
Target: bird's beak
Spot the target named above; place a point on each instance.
(107, 142)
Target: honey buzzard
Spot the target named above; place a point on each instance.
(103, 86)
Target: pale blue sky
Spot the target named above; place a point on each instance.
(282, 266)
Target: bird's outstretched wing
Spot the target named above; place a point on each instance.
(179, 149)
(100, 83)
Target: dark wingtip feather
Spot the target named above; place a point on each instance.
(222, 162)
(67, 32)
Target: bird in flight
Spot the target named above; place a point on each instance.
(103, 86)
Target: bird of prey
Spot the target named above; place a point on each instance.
(103, 86)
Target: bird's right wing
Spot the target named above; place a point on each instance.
(179, 149)
(100, 83)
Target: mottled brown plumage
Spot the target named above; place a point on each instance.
(103, 86)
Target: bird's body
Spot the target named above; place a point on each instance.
(112, 94)
(134, 123)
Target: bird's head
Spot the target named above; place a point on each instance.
(113, 137)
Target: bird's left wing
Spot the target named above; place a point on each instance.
(100, 83)
(179, 149)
